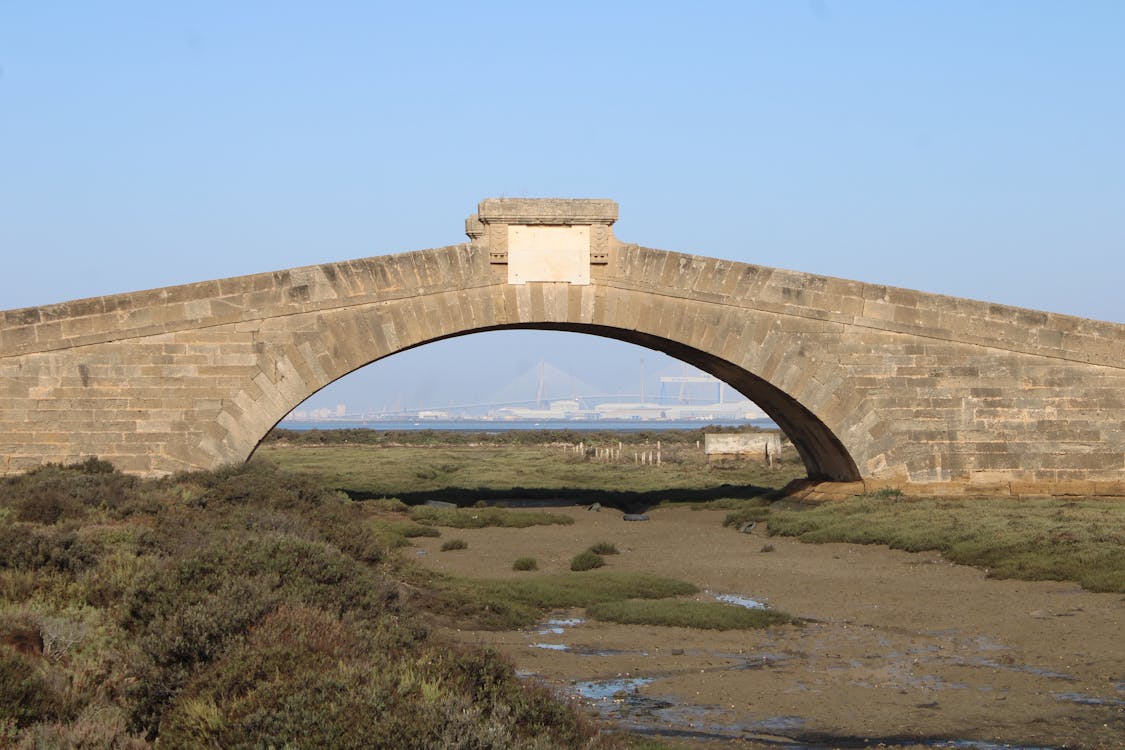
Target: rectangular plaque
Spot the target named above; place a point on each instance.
(548, 253)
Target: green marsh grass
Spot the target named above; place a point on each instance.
(465, 473)
(514, 603)
(687, 614)
(1032, 539)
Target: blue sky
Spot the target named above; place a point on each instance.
(967, 148)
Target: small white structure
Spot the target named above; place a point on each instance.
(758, 446)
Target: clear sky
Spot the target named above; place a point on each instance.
(967, 148)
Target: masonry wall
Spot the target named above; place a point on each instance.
(885, 385)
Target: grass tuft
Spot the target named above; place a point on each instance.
(586, 560)
(687, 614)
(454, 544)
(525, 563)
(604, 548)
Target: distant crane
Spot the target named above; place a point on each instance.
(684, 380)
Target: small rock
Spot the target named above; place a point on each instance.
(747, 527)
(635, 517)
(595, 506)
(440, 504)
(677, 652)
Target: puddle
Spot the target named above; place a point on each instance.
(586, 650)
(1037, 671)
(618, 689)
(1088, 700)
(739, 600)
(754, 661)
(620, 699)
(779, 724)
(558, 625)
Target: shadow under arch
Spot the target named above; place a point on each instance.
(823, 454)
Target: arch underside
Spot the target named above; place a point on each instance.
(822, 452)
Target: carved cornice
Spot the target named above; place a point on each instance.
(563, 211)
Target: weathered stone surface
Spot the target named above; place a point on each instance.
(872, 384)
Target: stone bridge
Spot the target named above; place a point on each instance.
(873, 384)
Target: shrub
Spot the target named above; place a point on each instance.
(586, 560)
(53, 493)
(454, 544)
(304, 678)
(604, 548)
(390, 504)
(190, 610)
(257, 484)
(31, 547)
(525, 563)
(24, 695)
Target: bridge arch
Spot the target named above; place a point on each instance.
(824, 456)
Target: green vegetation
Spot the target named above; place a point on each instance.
(604, 548)
(454, 544)
(479, 518)
(253, 607)
(430, 438)
(465, 474)
(1054, 539)
(525, 563)
(1048, 539)
(586, 560)
(687, 614)
(245, 607)
(510, 604)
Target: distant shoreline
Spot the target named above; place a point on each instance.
(490, 425)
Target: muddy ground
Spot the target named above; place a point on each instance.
(898, 648)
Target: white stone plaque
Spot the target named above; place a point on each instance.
(548, 253)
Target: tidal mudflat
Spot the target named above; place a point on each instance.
(904, 649)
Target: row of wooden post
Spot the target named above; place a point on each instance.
(603, 453)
